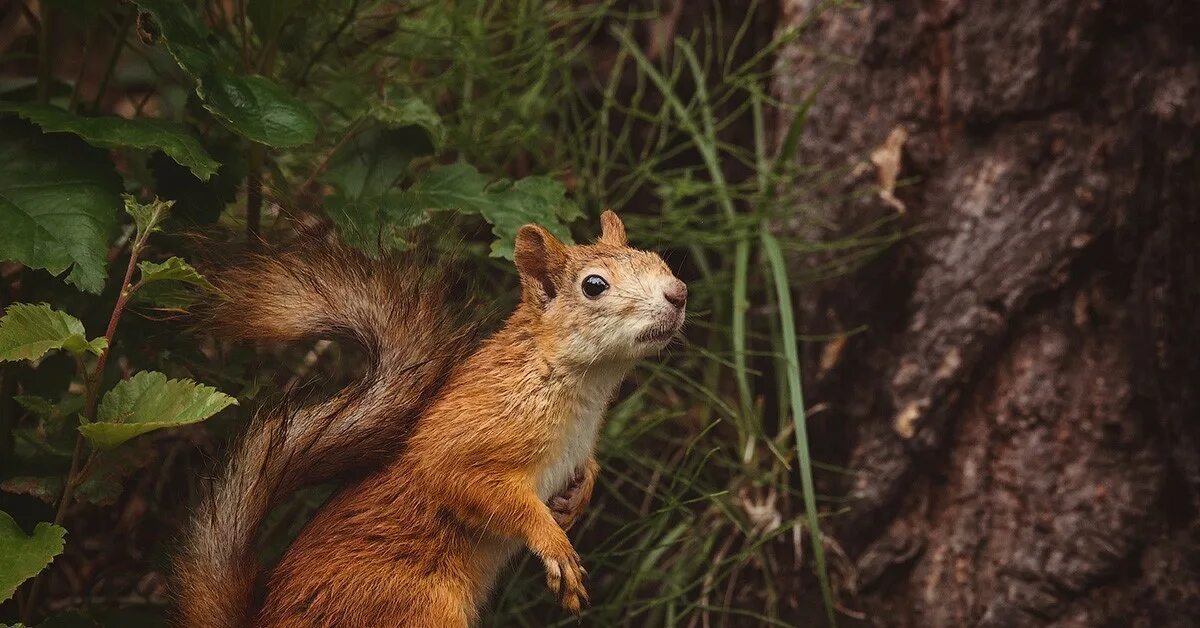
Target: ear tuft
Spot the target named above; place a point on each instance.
(539, 257)
(612, 230)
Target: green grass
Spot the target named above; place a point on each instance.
(708, 511)
(705, 488)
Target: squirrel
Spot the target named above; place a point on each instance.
(464, 456)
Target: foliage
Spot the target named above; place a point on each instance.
(399, 124)
(24, 556)
(28, 331)
(57, 201)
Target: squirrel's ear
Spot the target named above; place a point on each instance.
(612, 230)
(539, 256)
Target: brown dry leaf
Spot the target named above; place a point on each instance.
(887, 159)
(830, 354)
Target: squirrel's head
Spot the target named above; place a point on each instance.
(601, 302)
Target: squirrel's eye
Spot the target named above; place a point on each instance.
(594, 285)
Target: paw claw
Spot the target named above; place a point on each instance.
(564, 577)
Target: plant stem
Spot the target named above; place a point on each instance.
(337, 32)
(245, 32)
(87, 47)
(91, 399)
(8, 372)
(254, 194)
(45, 60)
(118, 46)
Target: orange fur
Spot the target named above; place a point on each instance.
(420, 541)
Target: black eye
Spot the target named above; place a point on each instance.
(594, 285)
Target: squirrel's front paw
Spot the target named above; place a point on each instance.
(564, 576)
(569, 504)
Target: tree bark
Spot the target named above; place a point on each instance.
(1022, 414)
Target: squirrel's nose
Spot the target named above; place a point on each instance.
(676, 294)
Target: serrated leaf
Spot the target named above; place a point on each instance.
(48, 409)
(58, 203)
(461, 187)
(38, 405)
(106, 480)
(149, 401)
(53, 415)
(37, 448)
(23, 556)
(378, 216)
(46, 489)
(174, 269)
(28, 331)
(410, 111)
(166, 296)
(258, 108)
(114, 132)
(252, 106)
(147, 216)
(367, 205)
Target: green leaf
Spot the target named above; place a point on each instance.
(409, 111)
(149, 401)
(147, 216)
(252, 106)
(113, 132)
(367, 205)
(106, 479)
(370, 214)
(53, 415)
(58, 202)
(38, 405)
(461, 187)
(166, 296)
(28, 331)
(258, 108)
(21, 556)
(174, 269)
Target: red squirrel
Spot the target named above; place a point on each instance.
(461, 454)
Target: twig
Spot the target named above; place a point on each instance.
(337, 32)
(254, 194)
(118, 46)
(245, 32)
(92, 383)
(83, 59)
(45, 59)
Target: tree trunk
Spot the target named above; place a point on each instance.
(1021, 414)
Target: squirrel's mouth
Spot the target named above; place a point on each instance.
(660, 332)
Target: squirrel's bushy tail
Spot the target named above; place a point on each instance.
(396, 311)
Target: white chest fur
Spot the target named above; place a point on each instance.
(579, 430)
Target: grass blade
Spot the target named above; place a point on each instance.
(791, 356)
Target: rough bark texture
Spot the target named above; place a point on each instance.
(1022, 413)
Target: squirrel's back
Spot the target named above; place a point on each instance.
(420, 539)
